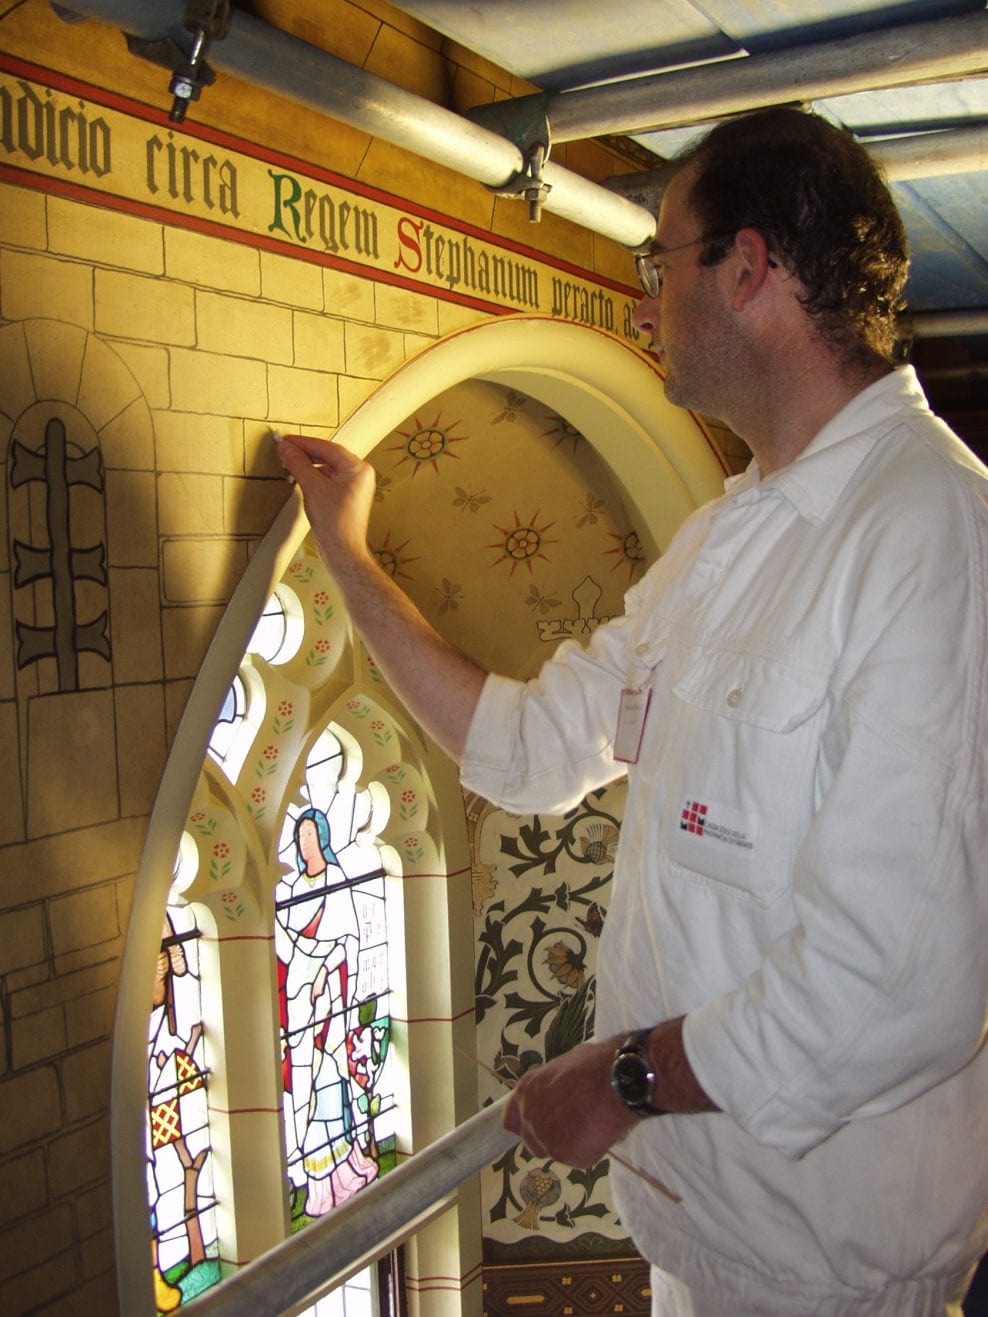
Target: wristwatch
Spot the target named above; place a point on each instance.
(632, 1076)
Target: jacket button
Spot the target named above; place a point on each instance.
(734, 697)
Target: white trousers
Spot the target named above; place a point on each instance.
(671, 1298)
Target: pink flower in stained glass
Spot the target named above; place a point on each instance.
(270, 753)
(353, 705)
(408, 796)
(322, 646)
(228, 897)
(258, 795)
(320, 597)
(377, 725)
(286, 708)
(198, 816)
(221, 850)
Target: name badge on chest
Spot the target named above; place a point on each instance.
(632, 712)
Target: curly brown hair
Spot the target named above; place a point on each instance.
(825, 211)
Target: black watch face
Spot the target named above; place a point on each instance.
(630, 1076)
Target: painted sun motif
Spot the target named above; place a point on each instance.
(628, 552)
(424, 443)
(562, 430)
(393, 559)
(520, 543)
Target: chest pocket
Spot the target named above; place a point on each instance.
(747, 733)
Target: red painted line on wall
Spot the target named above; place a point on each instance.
(432, 1019)
(467, 1278)
(217, 137)
(447, 873)
(64, 187)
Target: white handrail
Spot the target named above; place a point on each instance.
(361, 1229)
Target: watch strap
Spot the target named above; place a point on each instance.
(634, 1045)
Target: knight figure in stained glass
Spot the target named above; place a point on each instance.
(184, 1238)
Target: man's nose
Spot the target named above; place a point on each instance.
(645, 316)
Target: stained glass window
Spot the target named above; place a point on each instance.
(331, 944)
(300, 822)
(184, 1245)
(230, 720)
(280, 627)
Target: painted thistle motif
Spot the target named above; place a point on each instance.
(599, 843)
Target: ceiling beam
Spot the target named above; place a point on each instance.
(945, 324)
(913, 156)
(933, 51)
(929, 155)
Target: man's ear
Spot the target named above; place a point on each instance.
(752, 266)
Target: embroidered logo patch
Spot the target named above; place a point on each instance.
(694, 817)
(728, 826)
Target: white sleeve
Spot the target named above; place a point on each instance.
(543, 744)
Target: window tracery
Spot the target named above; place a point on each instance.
(310, 804)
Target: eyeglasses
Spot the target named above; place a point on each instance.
(649, 264)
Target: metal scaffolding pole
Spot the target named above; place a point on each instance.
(264, 56)
(362, 1229)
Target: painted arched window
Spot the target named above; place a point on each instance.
(274, 1089)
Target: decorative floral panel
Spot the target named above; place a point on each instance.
(541, 887)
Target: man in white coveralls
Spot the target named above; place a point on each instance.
(793, 973)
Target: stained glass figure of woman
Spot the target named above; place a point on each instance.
(317, 943)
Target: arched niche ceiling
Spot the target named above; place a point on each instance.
(657, 462)
(660, 459)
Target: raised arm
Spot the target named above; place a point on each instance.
(438, 685)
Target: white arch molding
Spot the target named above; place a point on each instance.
(665, 464)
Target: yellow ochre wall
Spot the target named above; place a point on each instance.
(172, 350)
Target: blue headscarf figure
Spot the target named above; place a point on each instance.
(322, 832)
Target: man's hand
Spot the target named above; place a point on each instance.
(338, 490)
(567, 1109)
